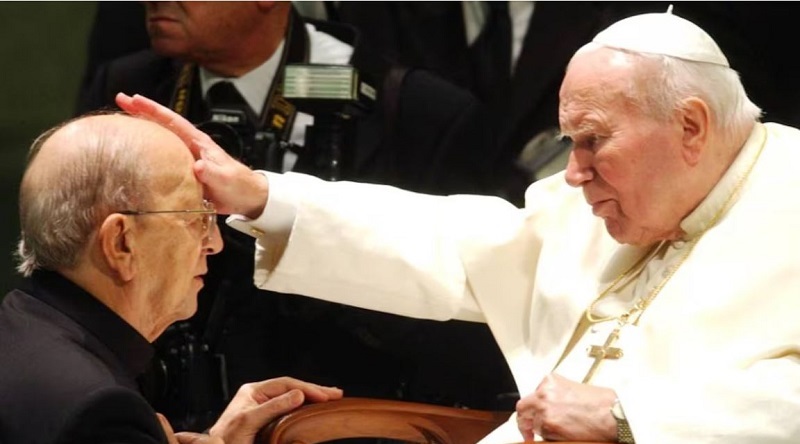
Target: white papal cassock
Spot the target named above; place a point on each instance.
(714, 359)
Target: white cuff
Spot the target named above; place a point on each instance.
(279, 213)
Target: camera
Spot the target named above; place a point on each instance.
(237, 134)
(336, 95)
(186, 380)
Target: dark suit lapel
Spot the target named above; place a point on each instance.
(436, 31)
(556, 31)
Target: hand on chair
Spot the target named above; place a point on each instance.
(255, 405)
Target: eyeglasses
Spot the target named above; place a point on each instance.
(209, 213)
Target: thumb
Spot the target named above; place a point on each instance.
(205, 157)
(165, 425)
(197, 438)
(207, 150)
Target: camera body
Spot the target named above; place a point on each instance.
(235, 130)
(186, 380)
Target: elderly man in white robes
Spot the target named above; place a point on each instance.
(649, 293)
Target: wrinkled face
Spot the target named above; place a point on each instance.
(198, 31)
(628, 164)
(174, 246)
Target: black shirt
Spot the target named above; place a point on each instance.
(69, 368)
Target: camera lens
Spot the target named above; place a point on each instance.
(225, 136)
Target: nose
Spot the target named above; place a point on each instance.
(579, 167)
(214, 243)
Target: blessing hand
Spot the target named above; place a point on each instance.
(231, 185)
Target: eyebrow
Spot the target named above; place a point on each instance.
(588, 122)
(586, 127)
(562, 137)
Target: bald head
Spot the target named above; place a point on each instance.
(82, 170)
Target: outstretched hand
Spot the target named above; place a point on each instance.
(232, 186)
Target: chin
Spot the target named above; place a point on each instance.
(617, 231)
(168, 47)
(643, 238)
(190, 308)
(187, 313)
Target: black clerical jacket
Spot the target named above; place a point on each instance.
(69, 367)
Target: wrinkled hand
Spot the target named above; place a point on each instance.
(233, 187)
(258, 403)
(564, 410)
(197, 438)
(185, 437)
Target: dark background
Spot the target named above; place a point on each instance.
(42, 54)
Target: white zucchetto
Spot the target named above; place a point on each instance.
(665, 34)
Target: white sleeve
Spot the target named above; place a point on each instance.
(370, 246)
(278, 216)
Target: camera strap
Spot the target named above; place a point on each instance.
(201, 359)
(278, 113)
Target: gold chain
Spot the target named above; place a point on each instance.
(639, 265)
(641, 305)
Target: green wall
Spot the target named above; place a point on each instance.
(42, 52)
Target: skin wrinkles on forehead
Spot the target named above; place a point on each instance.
(587, 126)
(596, 81)
(581, 119)
(593, 111)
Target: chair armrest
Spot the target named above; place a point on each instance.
(377, 418)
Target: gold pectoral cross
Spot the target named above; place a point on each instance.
(606, 351)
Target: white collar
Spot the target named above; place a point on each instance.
(253, 86)
(697, 221)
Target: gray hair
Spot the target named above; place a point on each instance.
(664, 82)
(61, 207)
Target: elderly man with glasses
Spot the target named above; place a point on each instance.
(115, 237)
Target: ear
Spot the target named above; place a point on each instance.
(118, 244)
(695, 121)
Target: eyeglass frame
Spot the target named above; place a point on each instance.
(210, 219)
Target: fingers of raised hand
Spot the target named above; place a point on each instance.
(150, 109)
